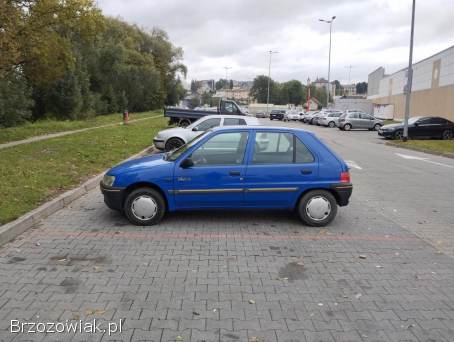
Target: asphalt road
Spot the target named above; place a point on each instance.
(413, 189)
(381, 271)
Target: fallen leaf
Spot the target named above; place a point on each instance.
(361, 256)
(358, 295)
(195, 313)
(254, 339)
(94, 312)
(251, 301)
(179, 338)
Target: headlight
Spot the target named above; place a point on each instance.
(108, 180)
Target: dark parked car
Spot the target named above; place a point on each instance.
(420, 127)
(277, 114)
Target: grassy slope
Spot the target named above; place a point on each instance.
(53, 126)
(33, 173)
(438, 146)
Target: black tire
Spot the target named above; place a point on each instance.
(398, 135)
(377, 127)
(184, 123)
(173, 144)
(331, 124)
(447, 135)
(304, 212)
(147, 194)
(347, 127)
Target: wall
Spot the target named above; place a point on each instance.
(364, 105)
(432, 88)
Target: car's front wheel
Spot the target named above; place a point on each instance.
(317, 208)
(398, 135)
(347, 127)
(173, 144)
(144, 207)
(447, 135)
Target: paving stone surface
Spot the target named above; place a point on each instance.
(227, 276)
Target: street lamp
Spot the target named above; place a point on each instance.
(409, 75)
(269, 75)
(330, 22)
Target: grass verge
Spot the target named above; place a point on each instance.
(442, 147)
(41, 127)
(32, 174)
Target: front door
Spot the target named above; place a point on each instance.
(217, 176)
(279, 168)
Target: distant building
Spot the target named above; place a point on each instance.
(314, 104)
(205, 86)
(322, 83)
(237, 94)
(348, 89)
(432, 89)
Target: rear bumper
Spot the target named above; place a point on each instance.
(113, 197)
(343, 192)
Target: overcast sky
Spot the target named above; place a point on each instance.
(238, 33)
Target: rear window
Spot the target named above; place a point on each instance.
(234, 122)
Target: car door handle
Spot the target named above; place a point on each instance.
(234, 173)
(306, 171)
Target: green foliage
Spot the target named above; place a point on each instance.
(259, 89)
(361, 88)
(15, 100)
(77, 63)
(222, 84)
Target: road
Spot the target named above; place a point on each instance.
(382, 271)
(413, 189)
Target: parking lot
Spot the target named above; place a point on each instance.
(382, 271)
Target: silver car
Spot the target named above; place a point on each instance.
(358, 120)
(331, 119)
(172, 138)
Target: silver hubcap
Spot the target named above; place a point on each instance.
(318, 208)
(144, 207)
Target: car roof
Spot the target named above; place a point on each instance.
(261, 127)
(220, 116)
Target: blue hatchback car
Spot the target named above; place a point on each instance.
(243, 167)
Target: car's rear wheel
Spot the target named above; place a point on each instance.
(317, 208)
(184, 123)
(331, 124)
(377, 127)
(144, 207)
(347, 127)
(398, 135)
(173, 144)
(447, 135)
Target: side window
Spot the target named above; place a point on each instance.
(273, 148)
(207, 124)
(354, 116)
(438, 121)
(222, 149)
(425, 121)
(302, 154)
(229, 107)
(234, 122)
(366, 117)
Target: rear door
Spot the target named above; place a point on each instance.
(367, 121)
(355, 120)
(279, 167)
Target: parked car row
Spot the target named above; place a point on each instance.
(420, 127)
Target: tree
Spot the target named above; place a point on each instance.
(361, 88)
(221, 84)
(231, 84)
(259, 89)
(338, 88)
(15, 99)
(294, 90)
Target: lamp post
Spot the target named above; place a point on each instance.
(409, 75)
(330, 22)
(226, 79)
(269, 75)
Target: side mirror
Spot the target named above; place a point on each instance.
(187, 163)
(195, 129)
(416, 124)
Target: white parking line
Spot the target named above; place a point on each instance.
(353, 164)
(427, 160)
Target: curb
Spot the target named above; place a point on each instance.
(11, 230)
(421, 149)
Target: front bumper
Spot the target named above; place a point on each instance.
(113, 197)
(343, 192)
(385, 134)
(159, 144)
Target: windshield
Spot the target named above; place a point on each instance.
(173, 155)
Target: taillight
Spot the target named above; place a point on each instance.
(345, 177)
